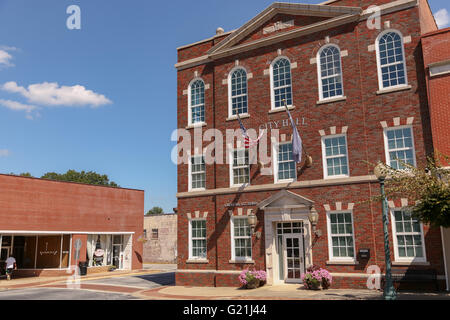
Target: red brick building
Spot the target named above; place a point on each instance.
(357, 93)
(44, 223)
(436, 56)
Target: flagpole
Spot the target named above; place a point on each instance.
(308, 159)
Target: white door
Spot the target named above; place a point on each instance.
(293, 257)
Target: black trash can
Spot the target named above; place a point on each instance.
(83, 267)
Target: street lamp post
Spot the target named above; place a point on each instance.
(389, 290)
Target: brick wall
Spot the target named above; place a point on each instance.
(361, 112)
(31, 204)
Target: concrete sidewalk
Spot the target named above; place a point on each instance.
(29, 282)
(278, 292)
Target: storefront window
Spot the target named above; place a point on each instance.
(101, 249)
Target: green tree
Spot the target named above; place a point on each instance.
(89, 177)
(155, 210)
(426, 187)
(23, 174)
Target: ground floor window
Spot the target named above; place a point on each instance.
(340, 236)
(241, 239)
(104, 250)
(197, 239)
(36, 251)
(408, 236)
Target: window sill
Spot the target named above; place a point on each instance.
(198, 189)
(243, 185)
(343, 262)
(196, 125)
(395, 89)
(336, 177)
(331, 100)
(281, 109)
(410, 263)
(242, 116)
(242, 261)
(197, 261)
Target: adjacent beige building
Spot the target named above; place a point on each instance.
(160, 231)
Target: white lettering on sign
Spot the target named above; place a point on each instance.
(49, 252)
(278, 26)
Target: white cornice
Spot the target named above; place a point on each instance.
(279, 186)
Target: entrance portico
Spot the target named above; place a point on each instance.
(288, 240)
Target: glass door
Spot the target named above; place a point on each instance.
(293, 257)
(116, 251)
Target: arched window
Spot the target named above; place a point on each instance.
(197, 101)
(391, 60)
(330, 72)
(281, 83)
(238, 92)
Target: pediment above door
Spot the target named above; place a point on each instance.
(283, 200)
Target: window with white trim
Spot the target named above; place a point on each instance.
(391, 60)
(198, 172)
(197, 102)
(238, 92)
(399, 145)
(240, 171)
(330, 72)
(281, 83)
(241, 239)
(340, 236)
(408, 236)
(285, 163)
(335, 159)
(197, 239)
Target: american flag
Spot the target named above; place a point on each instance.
(247, 141)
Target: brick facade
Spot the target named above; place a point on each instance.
(31, 206)
(362, 114)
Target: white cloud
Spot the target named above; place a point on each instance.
(51, 94)
(442, 18)
(5, 58)
(16, 106)
(4, 153)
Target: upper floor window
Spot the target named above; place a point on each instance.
(408, 237)
(154, 233)
(197, 173)
(281, 82)
(330, 72)
(335, 160)
(237, 91)
(240, 167)
(285, 163)
(197, 102)
(399, 145)
(391, 60)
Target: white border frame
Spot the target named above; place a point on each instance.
(394, 239)
(275, 150)
(377, 50)
(386, 146)
(324, 162)
(190, 173)
(319, 72)
(190, 256)
(199, 124)
(272, 89)
(330, 244)
(231, 157)
(230, 104)
(233, 255)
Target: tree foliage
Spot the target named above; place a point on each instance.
(427, 188)
(89, 177)
(155, 210)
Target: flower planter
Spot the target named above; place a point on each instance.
(252, 279)
(316, 277)
(252, 284)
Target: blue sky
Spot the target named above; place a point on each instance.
(119, 118)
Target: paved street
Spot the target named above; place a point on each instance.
(104, 288)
